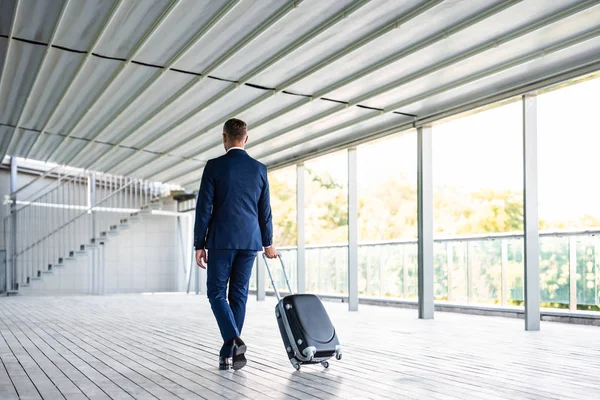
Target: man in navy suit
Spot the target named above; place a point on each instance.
(233, 223)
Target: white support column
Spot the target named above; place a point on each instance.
(300, 233)
(530, 213)
(352, 230)
(11, 270)
(425, 221)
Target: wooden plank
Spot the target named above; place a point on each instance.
(131, 346)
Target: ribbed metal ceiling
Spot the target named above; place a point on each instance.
(142, 88)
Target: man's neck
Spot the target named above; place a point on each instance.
(236, 147)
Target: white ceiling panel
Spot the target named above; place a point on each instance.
(181, 168)
(491, 28)
(82, 23)
(310, 129)
(22, 142)
(197, 95)
(139, 158)
(145, 169)
(69, 146)
(37, 19)
(132, 78)
(488, 61)
(82, 92)
(128, 27)
(5, 136)
(53, 79)
(286, 120)
(231, 29)
(528, 44)
(282, 34)
(110, 160)
(188, 18)
(23, 61)
(358, 25)
(435, 21)
(215, 112)
(7, 8)
(143, 107)
(541, 68)
(367, 128)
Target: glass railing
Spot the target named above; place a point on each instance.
(478, 270)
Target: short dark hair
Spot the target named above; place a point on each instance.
(235, 129)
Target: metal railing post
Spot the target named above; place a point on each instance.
(504, 294)
(449, 268)
(572, 273)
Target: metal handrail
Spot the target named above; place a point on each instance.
(8, 198)
(462, 238)
(42, 176)
(74, 219)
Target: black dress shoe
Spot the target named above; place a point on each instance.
(239, 357)
(225, 363)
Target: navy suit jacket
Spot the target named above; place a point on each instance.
(233, 210)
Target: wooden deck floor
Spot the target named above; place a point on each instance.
(165, 346)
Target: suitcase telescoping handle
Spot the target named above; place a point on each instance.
(271, 276)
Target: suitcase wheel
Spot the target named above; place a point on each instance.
(325, 364)
(295, 364)
(338, 356)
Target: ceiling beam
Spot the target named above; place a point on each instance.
(5, 65)
(201, 33)
(113, 12)
(136, 50)
(413, 13)
(37, 74)
(283, 11)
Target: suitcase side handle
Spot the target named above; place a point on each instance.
(264, 256)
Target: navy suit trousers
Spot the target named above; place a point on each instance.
(232, 267)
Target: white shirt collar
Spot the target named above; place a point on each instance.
(237, 148)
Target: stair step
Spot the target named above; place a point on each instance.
(70, 258)
(113, 232)
(123, 226)
(24, 285)
(57, 265)
(80, 252)
(36, 279)
(48, 272)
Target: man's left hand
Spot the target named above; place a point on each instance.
(201, 258)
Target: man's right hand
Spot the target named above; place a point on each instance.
(201, 258)
(270, 252)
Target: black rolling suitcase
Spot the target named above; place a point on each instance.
(307, 332)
